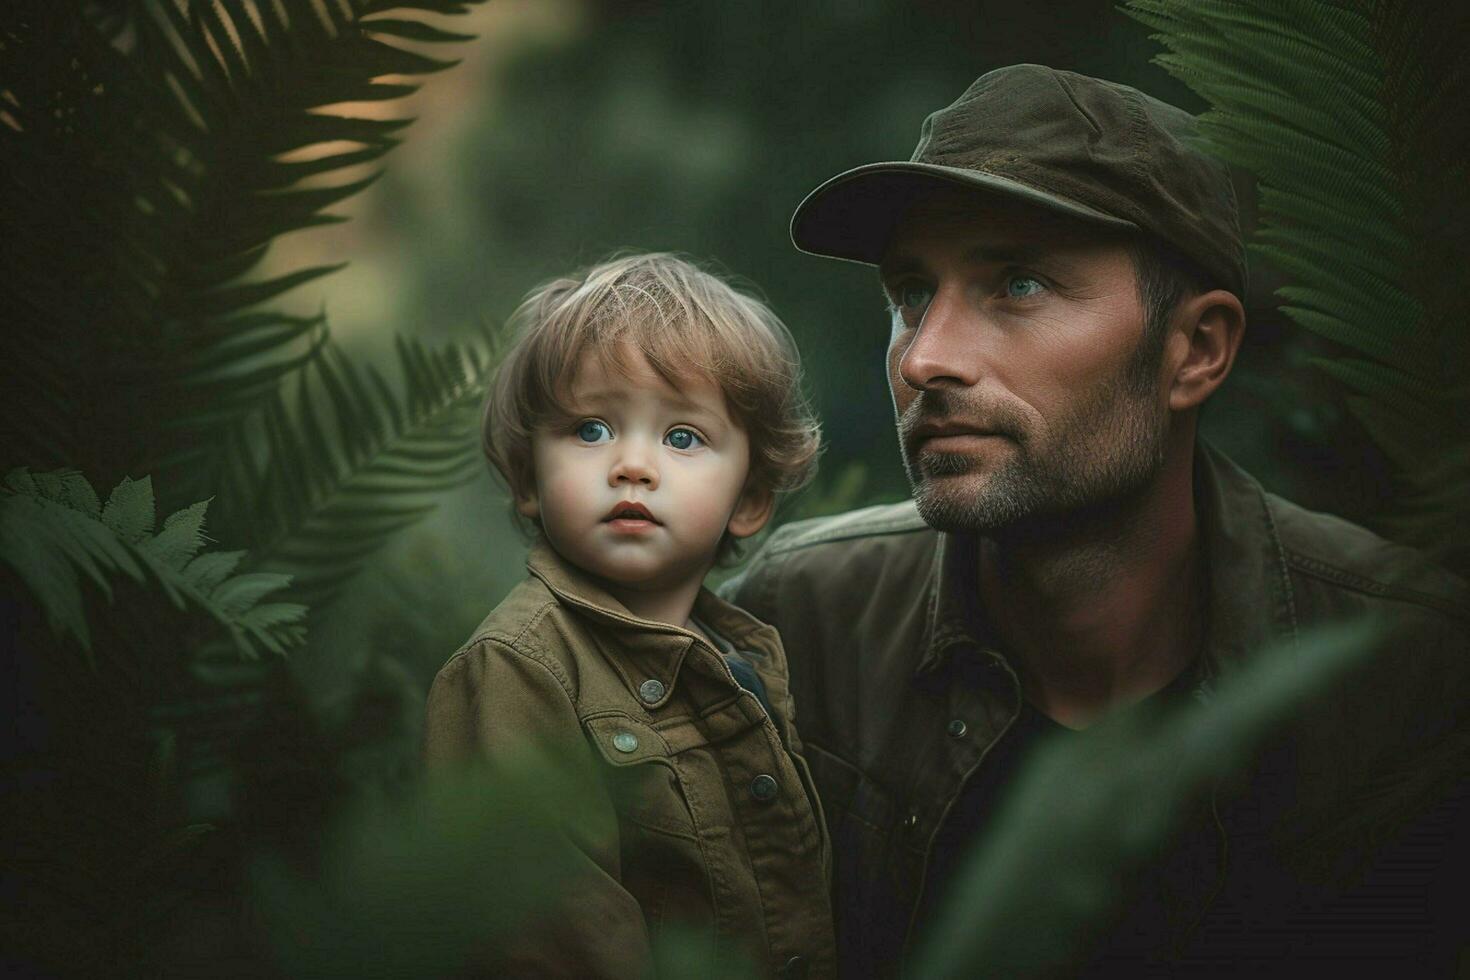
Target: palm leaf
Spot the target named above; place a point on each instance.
(1352, 116)
(153, 153)
(55, 534)
(349, 461)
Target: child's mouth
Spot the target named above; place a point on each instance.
(630, 515)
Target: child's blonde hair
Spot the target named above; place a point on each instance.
(687, 323)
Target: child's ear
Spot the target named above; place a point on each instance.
(528, 503)
(752, 511)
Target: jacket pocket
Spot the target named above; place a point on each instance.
(664, 863)
(642, 777)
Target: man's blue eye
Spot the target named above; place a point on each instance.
(914, 295)
(683, 438)
(1020, 287)
(594, 431)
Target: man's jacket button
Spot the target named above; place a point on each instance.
(793, 969)
(763, 788)
(957, 728)
(651, 690)
(625, 741)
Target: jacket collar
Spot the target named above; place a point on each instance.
(1248, 602)
(645, 650)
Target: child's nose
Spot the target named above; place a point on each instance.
(635, 465)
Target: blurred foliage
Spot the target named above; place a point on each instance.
(418, 886)
(350, 463)
(151, 159)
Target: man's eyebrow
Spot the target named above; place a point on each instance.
(1007, 254)
(898, 265)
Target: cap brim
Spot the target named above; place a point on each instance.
(852, 216)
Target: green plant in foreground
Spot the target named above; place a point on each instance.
(55, 532)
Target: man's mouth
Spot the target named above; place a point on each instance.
(948, 433)
(630, 511)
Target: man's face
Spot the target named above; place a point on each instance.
(1019, 377)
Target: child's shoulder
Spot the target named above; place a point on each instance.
(529, 625)
(519, 619)
(526, 623)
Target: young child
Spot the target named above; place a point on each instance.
(644, 419)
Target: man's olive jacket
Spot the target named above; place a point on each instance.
(694, 809)
(901, 693)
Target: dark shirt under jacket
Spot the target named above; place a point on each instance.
(976, 805)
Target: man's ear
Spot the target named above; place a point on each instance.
(1210, 327)
(752, 511)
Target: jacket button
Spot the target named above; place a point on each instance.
(763, 788)
(625, 741)
(957, 728)
(651, 690)
(793, 969)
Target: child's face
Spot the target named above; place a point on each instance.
(638, 442)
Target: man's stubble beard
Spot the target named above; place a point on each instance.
(1107, 448)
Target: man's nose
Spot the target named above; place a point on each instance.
(635, 465)
(945, 349)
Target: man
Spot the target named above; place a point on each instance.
(1065, 274)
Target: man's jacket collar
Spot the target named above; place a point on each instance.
(1242, 557)
(647, 650)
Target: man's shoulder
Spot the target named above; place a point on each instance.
(852, 527)
(1337, 554)
(831, 559)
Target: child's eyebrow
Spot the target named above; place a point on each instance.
(676, 401)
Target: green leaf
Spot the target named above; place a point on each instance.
(129, 509)
(182, 536)
(352, 464)
(53, 542)
(207, 571)
(238, 593)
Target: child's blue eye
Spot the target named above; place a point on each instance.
(683, 438)
(594, 431)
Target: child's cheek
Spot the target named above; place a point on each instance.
(566, 498)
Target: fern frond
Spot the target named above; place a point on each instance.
(350, 461)
(1352, 116)
(54, 532)
(152, 156)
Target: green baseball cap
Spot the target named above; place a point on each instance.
(1098, 151)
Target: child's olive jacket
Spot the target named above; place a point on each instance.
(697, 811)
